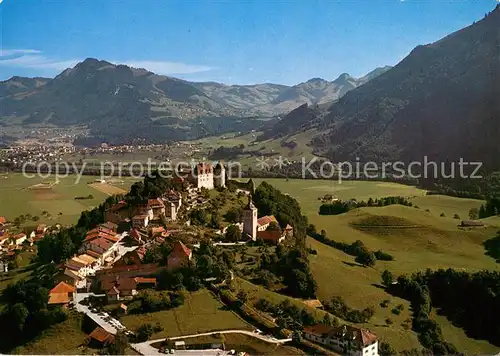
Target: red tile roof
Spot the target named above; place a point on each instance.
(101, 335)
(140, 280)
(155, 203)
(93, 253)
(361, 337)
(266, 220)
(269, 235)
(62, 288)
(180, 250)
(3, 220)
(102, 243)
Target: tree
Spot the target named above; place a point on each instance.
(18, 315)
(387, 278)
(215, 220)
(456, 216)
(118, 345)
(473, 213)
(233, 215)
(386, 349)
(366, 258)
(144, 332)
(204, 265)
(233, 233)
(242, 296)
(273, 226)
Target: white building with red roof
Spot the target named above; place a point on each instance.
(346, 339)
(264, 222)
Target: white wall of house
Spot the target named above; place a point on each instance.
(205, 181)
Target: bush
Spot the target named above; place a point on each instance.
(396, 311)
(456, 216)
(389, 321)
(385, 303)
(442, 215)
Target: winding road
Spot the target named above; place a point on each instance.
(145, 348)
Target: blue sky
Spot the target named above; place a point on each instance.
(230, 41)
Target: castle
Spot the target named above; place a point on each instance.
(204, 175)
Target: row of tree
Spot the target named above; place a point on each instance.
(470, 300)
(363, 254)
(341, 207)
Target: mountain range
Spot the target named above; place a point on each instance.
(441, 101)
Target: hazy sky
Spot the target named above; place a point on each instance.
(231, 41)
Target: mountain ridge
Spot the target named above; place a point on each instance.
(441, 101)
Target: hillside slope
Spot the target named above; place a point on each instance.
(441, 101)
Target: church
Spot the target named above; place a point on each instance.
(258, 228)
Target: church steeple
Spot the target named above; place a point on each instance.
(250, 219)
(250, 205)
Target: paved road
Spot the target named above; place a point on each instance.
(262, 337)
(145, 348)
(94, 316)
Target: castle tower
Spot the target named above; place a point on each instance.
(250, 219)
(219, 175)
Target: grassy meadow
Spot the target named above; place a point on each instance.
(417, 238)
(19, 195)
(201, 312)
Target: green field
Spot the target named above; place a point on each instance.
(201, 312)
(65, 338)
(19, 196)
(246, 343)
(423, 240)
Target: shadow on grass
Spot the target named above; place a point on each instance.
(492, 247)
(352, 264)
(379, 286)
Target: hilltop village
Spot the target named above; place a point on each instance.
(135, 253)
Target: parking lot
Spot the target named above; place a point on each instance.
(103, 319)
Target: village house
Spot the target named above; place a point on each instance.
(102, 244)
(274, 237)
(118, 212)
(19, 238)
(133, 257)
(264, 222)
(346, 339)
(140, 221)
(179, 257)
(40, 229)
(157, 206)
(83, 265)
(173, 196)
(3, 221)
(5, 238)
(135, 237)
(119, 288)
(61, 295)
(99, 338)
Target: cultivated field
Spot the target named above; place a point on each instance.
(22, 195)
(418, 239)
(108, 189)
(200, 313)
